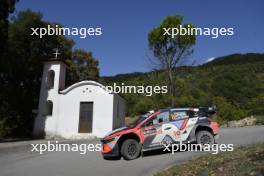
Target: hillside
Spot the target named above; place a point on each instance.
(238, 59)
(235, 83)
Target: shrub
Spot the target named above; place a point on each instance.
(228, 111)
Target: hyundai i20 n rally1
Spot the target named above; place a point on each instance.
(154, 129)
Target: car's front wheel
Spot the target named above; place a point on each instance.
(205, 137)
(130, 149)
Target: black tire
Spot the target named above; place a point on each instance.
(205, 137)
(130, 149)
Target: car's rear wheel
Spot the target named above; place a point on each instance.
(205, 137)
(130, 149)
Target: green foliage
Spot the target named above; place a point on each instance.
(257, 105)
(21, 70)
(260, 119)
(9, 121)
(82, 66)
(144, 103)
(238, 59)
(6, 7)
(169, 50)
(227, 111)
(164, 46)
(236, 89)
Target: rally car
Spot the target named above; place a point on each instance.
(151, 130)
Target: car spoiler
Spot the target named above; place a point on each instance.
(209, 110)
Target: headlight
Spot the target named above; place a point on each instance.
(110, 140)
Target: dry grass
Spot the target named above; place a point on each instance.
(244, 161)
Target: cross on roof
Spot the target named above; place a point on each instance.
(56, 53)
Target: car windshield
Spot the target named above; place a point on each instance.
(139, 120)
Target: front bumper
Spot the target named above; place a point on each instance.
(110, 148)
(112, 153)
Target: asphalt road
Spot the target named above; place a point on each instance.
(21, 161)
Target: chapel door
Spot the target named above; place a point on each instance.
(86, 117)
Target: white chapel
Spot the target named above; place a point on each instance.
(82, 110)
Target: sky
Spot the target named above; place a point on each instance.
(123, 46)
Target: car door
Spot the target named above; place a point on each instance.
(151, 130)
(180, 125)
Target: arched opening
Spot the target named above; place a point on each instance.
(49, 108)
(50, 79)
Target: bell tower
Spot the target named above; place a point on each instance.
(53, 80)
(53, 77)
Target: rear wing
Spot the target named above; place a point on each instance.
(207, 110)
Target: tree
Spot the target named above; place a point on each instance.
(21, 70)
(168, 51)
(6, 7)
(228, 111)
(257, 105)
(83, 66)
